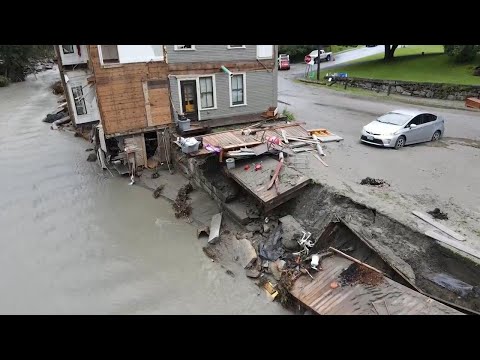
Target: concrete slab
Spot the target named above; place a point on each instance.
(215, 228)
(238, 211)
(245, 252)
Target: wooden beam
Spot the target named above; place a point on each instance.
(439, 226)
(277, 171)
(320, 159)
(443, 239)
(355, 260)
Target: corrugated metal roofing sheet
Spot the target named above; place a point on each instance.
(357, 299)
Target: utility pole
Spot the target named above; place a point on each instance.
(318, 64)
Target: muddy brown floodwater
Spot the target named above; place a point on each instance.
(74, 240)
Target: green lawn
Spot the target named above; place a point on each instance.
(410, 65)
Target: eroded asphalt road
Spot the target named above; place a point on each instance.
(443, 173)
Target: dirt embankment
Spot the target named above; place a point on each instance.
(416, 256)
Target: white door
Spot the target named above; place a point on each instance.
(264, 51)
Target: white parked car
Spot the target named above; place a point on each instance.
(403, 127)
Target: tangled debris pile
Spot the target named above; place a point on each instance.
(373, 182)
(356, 273)
(181, 205)
(437, 214)
(57, 88)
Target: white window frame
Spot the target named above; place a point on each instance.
(176, 48)
(120, 63)
(81, 98)
(69, 53)
(244, 89)
(197, 83)
(266, 57)
(229, 47)
(108, 65)
(214, 87)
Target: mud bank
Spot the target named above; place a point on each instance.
(425, 265)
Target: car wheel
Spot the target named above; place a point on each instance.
(400, 142)
(328, 57)
(436, 135)
(315, 61)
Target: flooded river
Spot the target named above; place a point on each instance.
(74, 240)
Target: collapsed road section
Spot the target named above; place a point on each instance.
(256, 175)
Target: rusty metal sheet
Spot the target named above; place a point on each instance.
(357, 299)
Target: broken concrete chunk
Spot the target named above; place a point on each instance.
(280, 264)
(92, 157)
(266, 228)
(252, 273)
(253, 227)
(245, 252)
(276, 272)
(292, 232)
(215, 228)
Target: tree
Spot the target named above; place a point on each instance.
(462, 53)
(389, 51)
(16, 59)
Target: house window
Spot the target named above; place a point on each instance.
(184, 47)
(80, 106)
(236, 46)
(264, 51)
(67, 49)
(109, 54)
(237, 86)
(206, 92)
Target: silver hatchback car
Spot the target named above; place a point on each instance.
(403, 127)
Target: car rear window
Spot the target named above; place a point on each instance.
(394, 118)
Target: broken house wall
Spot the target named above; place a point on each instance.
(78, 56)
(132, 97)
(73, 74)
(87, 109)
(261, 88)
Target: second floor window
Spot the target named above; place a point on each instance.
(206, 92)
(67, 49)
(238, 92)
(80, 106)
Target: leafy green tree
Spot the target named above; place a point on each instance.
(16, 59)
(462, 53)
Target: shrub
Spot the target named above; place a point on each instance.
(289, 115)
(462, 53)
(4, 81)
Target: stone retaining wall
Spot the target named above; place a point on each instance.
(407, 88)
